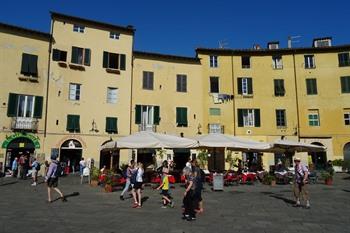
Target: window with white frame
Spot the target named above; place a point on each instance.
(74, 91)
(114, 35)
(309, 61)
(277, 62)
(213, 59)
(215, 128)
(347, 116)
(25, 106)
(112, 95)
(248, 117)
(314, 118)
(245, 86)
(78, 28)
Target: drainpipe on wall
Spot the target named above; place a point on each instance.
(131, 81)
(234, 98)
(296, 97)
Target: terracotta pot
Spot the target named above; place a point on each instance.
(273, 183)
(328, 181)
(94, 183)
(108, 188)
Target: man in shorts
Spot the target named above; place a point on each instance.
(300, 184)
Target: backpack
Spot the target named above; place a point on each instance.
(125, 173)
(59, 170)
(133, 177)
(37, 167)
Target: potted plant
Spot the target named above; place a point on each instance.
(202, 157)
(269, 179)
(109, 182)
(328, 177)
(338, 165)
(231, 160)
(95, 174)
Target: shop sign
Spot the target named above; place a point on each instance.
(31, 137)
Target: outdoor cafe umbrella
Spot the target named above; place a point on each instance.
(146, 139)
(293, 146)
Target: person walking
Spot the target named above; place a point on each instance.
(51, 179)
(300, 184)
(188, 201)
(21, 162)
(166, 198)
(14, 167)
(136, 189)
(198, 184)
(129, 171)
(35, 170)
(82, 165)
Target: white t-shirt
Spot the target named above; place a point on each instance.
(82, 163)
(139, 175)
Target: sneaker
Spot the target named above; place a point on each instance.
(185, 216)
(307, 206)
(191, 218)
(172, 204)
(135, 205)
(297, 204)
(163, 207)
(121, 198)
(34, 184)
(138, 207)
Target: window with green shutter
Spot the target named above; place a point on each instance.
(279, 87)
(311, 86)
(81, 56)
(214, 111)
(113, 61)
(29, 65)
(181, 117)
(138, 109)
(345, 84)
(214, 84)
(59, 55)
(73, 123)
(38, 107)
(156, 117)
(111, 125)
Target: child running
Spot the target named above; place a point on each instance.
(165, 191)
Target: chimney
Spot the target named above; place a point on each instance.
(273, 45)
(256, 47)
(322, 42)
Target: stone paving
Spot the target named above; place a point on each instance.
(243, 208)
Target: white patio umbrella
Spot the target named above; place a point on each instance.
(146, 139)
(109, 145)
(293, 146)
(217, 140)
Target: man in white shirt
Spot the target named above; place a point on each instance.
(82, 165)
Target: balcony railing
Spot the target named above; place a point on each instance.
(24, 123)
(152, 128)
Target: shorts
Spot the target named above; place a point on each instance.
(52, 182)
(197, 196)
(34, 173)
(138, 185)
(165, 193)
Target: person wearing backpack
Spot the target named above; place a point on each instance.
(51, 178)
(127, 175)
(35, 170)
(137, 181)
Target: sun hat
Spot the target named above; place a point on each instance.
(297, 159)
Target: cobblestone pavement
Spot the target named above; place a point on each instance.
(243, 208)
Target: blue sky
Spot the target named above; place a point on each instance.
(178, 27)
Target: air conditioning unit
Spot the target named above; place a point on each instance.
(249, 131)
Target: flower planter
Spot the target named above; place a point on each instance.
(108, 188)
(328, 181)
(94, 183)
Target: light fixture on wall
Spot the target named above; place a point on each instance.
(94, 127)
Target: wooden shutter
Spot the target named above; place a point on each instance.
(38, 107)
(240, 118)
(276, 87)
(56, 55)
(345, 84)
(111, 124)
(239, 85)
(122, 62)
(156, 117)
(87, 57)
(184, 83)
(25, 64)
(178, 83)
(70, 123)
(75, 53)
(250, 86)
(257, 117)
(77, 123)
(138, 114)
(184, 117)
(105, 59)
(33, 65)
(12, 105)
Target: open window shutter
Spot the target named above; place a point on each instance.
(77, 123)
(178, 116)
(257, 117)
(70, 123)
(283, 91)
(55, 55)
(38, 107)
(240, 117)
(178, 83)
(105, 60)
(239, 85)
(25, 64)
(314, 86)
(250, 86)
(33, 65)
(74, 58)
(276, 86)
(87, 57)
(63, 56)
(108, 127)
(184, 116)
(156, 118)
(122, 62)
(138, 114)
(12, 105)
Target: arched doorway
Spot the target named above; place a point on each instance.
(346, 152)
(109, 158)
(17, 147)
(319, 159)
(71, 152)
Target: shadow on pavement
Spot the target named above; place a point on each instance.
(144, 199)
(74, 194)
(345, 190)
(286, 200)
(346, 178)
(8, 183)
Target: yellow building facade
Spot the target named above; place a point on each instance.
(69, 91)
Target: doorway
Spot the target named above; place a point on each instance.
(346, 152)
(110, 159)
(16, 148)
(181, 157)
(216, 161)
(319, 159)
(71, 153)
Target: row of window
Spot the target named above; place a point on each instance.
(148, 81)
(73, 124)
(75, 89)
(309, 61)
(245, 86)
(82, 56)
(25, 106)
(81, 29)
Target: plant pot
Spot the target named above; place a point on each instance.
(94, 183)
(328, 181)
(337, 168)
(108, 188)
(273, 183)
